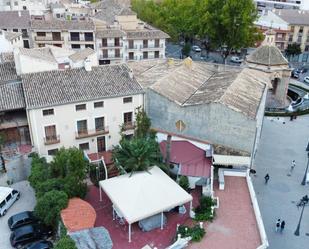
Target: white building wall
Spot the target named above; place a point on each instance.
(65, 118)
(8, 46)
(25, 64)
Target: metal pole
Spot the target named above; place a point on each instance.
(100, 192)
(306, 171)
(130, 233)
(161, 220)
(298, 226)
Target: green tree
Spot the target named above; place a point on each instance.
(143, 123)
(229, 24)
(39, 171)
(186, 49)
(69, 164)
(137, 154)
(65, 243)
(48, 206)
(293, 49)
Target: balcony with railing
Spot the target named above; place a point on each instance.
(49, 39)
(111, 57)
(111, 45)
(129, 125)
(151, 47)
(134, 47)
(54, 139)
(91, 133)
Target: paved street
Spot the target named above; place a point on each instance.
(174, 51)
(280, 144)
(26, 202)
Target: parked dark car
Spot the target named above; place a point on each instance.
(21, 219)
(29, 233)
(43, 244)
(295, 73)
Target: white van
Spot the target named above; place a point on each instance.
(7, 198)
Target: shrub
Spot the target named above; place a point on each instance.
(49, 185)
(184, 182)
(186, 49)
(39, 171)
(65, 243)
(203, 212)
(48, 206)
(195, 232)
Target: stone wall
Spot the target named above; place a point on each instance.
(213, 122)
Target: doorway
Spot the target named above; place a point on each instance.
(101, 144)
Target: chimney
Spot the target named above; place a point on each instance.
(19, 13)
(87, 65)
(131, 73)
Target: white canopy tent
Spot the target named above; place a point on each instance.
(231, 160)
(144, 194)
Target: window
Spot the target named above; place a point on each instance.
(88, 36)
(74, 36)
(89, 46)
(145, 55)
(157, 54)
(24, 32)
(48, 112)
(2, 204)
(8, 197)
(131, 56)
(24, 8)
(301, 29)
(50, 133)
(99, 124)
(307, 48)
(41, 33)
(131, 43)
(98, 104)
(56, 36)
(52, 152)
(104, 42)
(305, 57)
(15, 3)
(127, 100)
(117, 42)
(80, 107)
(157, 43)
(84, 146)
(15, 30)
(105, 53)
(117, 53)
(127, 117)
(292, 28)
(82, 127)
(145, 43)
(75, 46)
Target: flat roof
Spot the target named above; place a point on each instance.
(144, 194)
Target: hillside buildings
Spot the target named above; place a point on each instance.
(263, 5)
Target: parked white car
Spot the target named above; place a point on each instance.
(7, 198)
(236, 59)
(196, 48)
(306, 79)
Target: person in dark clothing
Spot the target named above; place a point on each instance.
(282, 225)
(266, 178)
(3, 163)
(278, 224)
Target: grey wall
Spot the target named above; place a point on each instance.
(211, 122)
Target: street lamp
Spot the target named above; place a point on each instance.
(306, 172)
(302, 203)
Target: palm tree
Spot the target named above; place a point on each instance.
(137, 154)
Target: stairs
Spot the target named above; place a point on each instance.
(112, 170)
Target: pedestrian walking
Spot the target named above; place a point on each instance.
(282, 225)
(278, 224)
(293, 165)
(266, 178)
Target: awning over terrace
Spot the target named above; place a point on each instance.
(231, 160)
(144, 194)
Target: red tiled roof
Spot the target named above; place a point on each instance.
(78, 215)
(191, 158)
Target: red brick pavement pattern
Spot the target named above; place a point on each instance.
(235, 225)
(119, 233)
